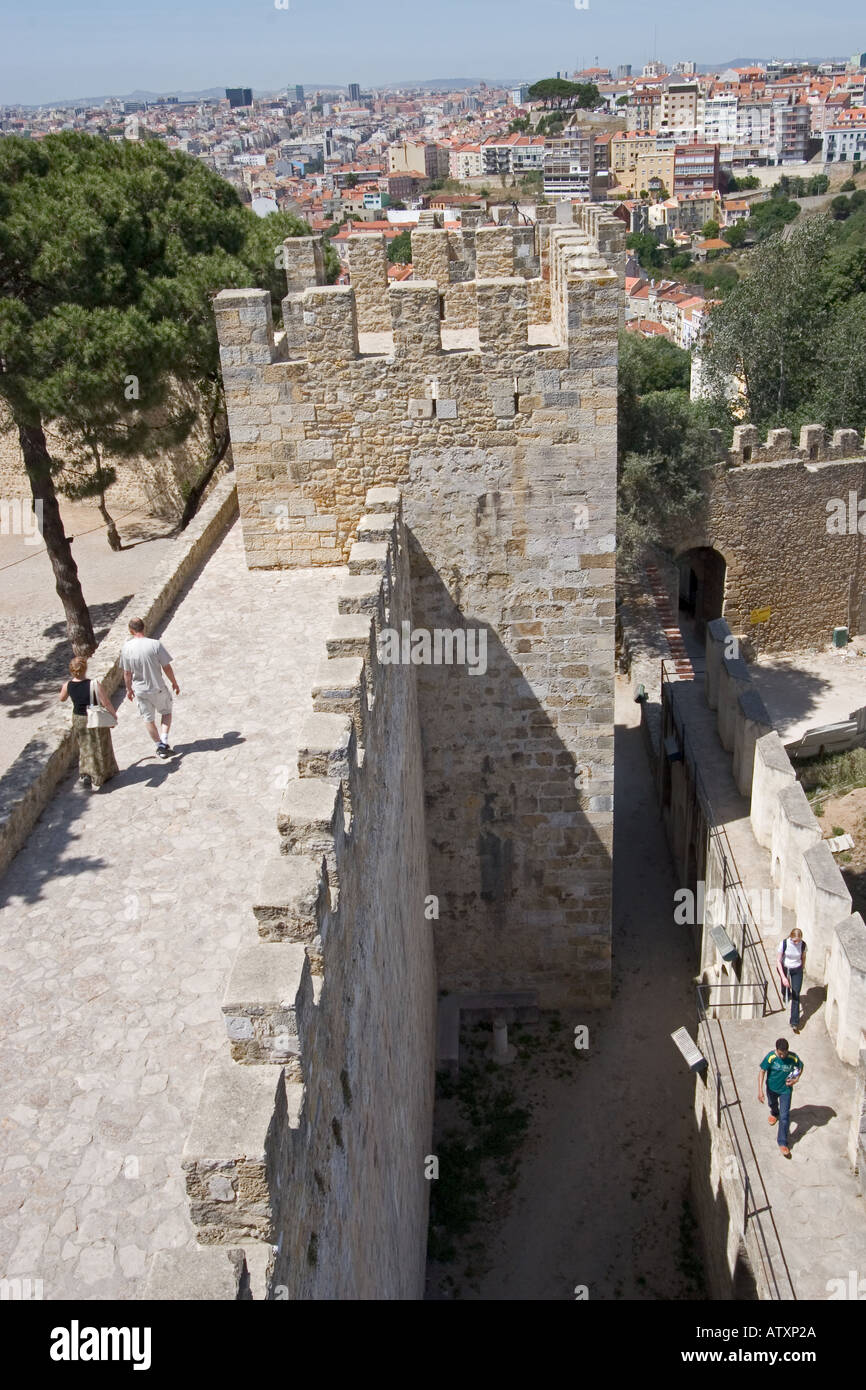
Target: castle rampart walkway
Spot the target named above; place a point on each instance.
(119, 921)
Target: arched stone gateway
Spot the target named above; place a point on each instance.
(702, 579)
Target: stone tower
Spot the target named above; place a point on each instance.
(485, 390)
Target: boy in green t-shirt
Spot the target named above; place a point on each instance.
(784, 1069)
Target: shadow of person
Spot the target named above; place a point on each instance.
(807, 1117)
(210, 745)
(151, 774)
(811, 1001)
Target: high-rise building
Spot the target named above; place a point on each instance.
(299, 93)
(239, 96)
(623, 71)
(354, 91)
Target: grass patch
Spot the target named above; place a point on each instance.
(833, 775)
(492, 1127)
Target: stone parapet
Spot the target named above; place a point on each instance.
(846, 989)
(330, 1008)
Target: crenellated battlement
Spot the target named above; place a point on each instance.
(816, 445)
(502, 438)
(342, 896)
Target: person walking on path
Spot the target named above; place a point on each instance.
(791, 965)
(144, 661)
(96, 760)
(783, 1070)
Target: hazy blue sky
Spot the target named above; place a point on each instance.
(53, 49)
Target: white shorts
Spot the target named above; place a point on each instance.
(149, 706)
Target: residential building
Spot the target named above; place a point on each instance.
(642, 109)
(654, 173)
(465, 162)
(415, 157)
(792, 130)
(519, 96)
(846, 138)
(679, 106)
(569, 166)
(696, 169)
(512, 154)
(720, 119)
(625, 148)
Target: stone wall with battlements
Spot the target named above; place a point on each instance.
(788, 521)
(309, 1143)
(505, 448)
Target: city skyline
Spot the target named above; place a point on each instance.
(97, 49)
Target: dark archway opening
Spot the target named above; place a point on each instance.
(702, 574)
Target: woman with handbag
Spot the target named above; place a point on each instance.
(93, 718)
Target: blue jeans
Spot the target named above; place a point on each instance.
(780, 1106)
(795, 978)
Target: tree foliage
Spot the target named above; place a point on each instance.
(664, 445)
(793, 330)
(400, 250)
(794, 186)
(556, 91)
(770, 217)
(109, 256)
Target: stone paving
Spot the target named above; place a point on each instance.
(34, 651)
(816, 1200)
(119, 921)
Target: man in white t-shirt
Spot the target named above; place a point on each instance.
(791, 963)
(144, 661)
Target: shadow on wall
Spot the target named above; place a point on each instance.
(713, 1216)
(523, 875)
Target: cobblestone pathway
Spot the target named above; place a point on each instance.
(118, 925)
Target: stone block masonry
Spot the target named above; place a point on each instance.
(506, 455)
(310, 1139)
(788, 522)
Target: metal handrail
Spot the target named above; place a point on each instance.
(704, 1005)
(750, 1194)
(752, 938)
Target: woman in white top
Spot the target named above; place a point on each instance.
(791, 963)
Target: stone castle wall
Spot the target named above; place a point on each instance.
(310, 1139)
(506, 453)
(767, 515)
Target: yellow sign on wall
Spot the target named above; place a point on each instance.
(760, 615)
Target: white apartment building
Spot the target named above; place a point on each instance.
(569, 167)
(512, 154)
(846, 138)
(720, 119)
(465, 162)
